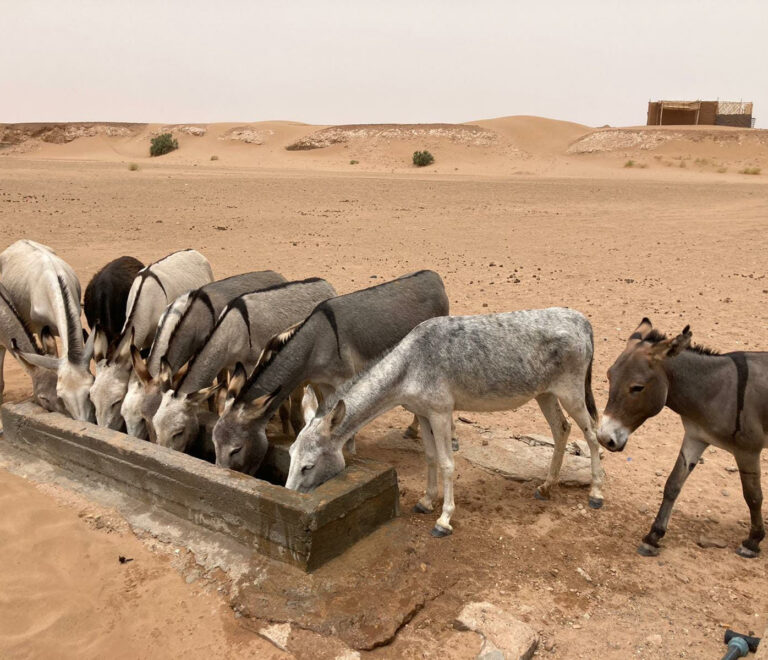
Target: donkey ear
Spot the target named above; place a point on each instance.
(237, 381)
(139, 367)
(337, 414)
(123, 351)
(88, 347)
(49, 342)
(641, 332)
(31, 360)
(261, 403)
(309, 404)
(198, 397)
(179, 375)
(165, 375)
(668, 348)
(100, 343)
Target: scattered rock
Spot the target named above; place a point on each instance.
(709, 542)
(278, 634)
(584, 574)
(504, 636)
(654, 640)
(520, 461)
(724, 493)
(731, 468)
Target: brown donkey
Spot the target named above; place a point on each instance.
(721, 399)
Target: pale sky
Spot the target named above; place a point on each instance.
(333, 61)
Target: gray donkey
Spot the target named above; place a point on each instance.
(340, 338)
(154, 288)
(722, 400)
(178, 339)
(16, 337)
(241, 332)
(492, 362)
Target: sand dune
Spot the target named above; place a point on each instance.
(492, 147)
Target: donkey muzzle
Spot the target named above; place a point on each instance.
(612, 434)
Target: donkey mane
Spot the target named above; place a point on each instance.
(654, 337)
(74, 339)
(271, 351)
(203, 297)
(22, 322)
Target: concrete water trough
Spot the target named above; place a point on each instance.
(305, 530)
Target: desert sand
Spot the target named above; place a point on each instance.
(515, 213)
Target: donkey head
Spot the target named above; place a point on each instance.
(113, 370)
(72, 377)
(316, 455)
(638, 384)
(43, 380)
(240, 434)
(175, 424)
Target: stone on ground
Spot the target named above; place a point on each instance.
(520, 461)
(504, 636)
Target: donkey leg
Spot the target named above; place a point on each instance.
(560, 428)
(413, 429)
(285, 417)
(427, 503)
(454, 437)
(577, 409)
(297, 419)
(441, 431)
(687, 459)
(749, 471)
(2, 379)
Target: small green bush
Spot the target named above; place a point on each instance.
(214, 157)
(422, 158)
(133, 167)
(750, 170)
(629, 163)
(354, 162)
(163, 144)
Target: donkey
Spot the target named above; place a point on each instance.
(187, 335)
(106, 295)
(721, 399)
(130, 407)
(242, 330)
(492, 362)
(341, 337)
(45, 292)
(16, 337)
(152, 290)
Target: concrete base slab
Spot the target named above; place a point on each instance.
(305, 530)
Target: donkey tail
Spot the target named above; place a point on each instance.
(589, 398)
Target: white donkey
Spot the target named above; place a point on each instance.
(46, 292)
(492, 362)
(155, 287)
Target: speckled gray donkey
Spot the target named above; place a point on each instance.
(16, 337)
(721, 399)
(185, 337)
(340, 338)
(491, 362)
(242, 330)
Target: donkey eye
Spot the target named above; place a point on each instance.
(636, 388)
(306, 468)
(235, 450)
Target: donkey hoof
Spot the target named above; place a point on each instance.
(438, 531)
(455, 444)
(595, 502)
(420, 508)
(410, 433)
(747, 553)
(539, 495)
(647, 550)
